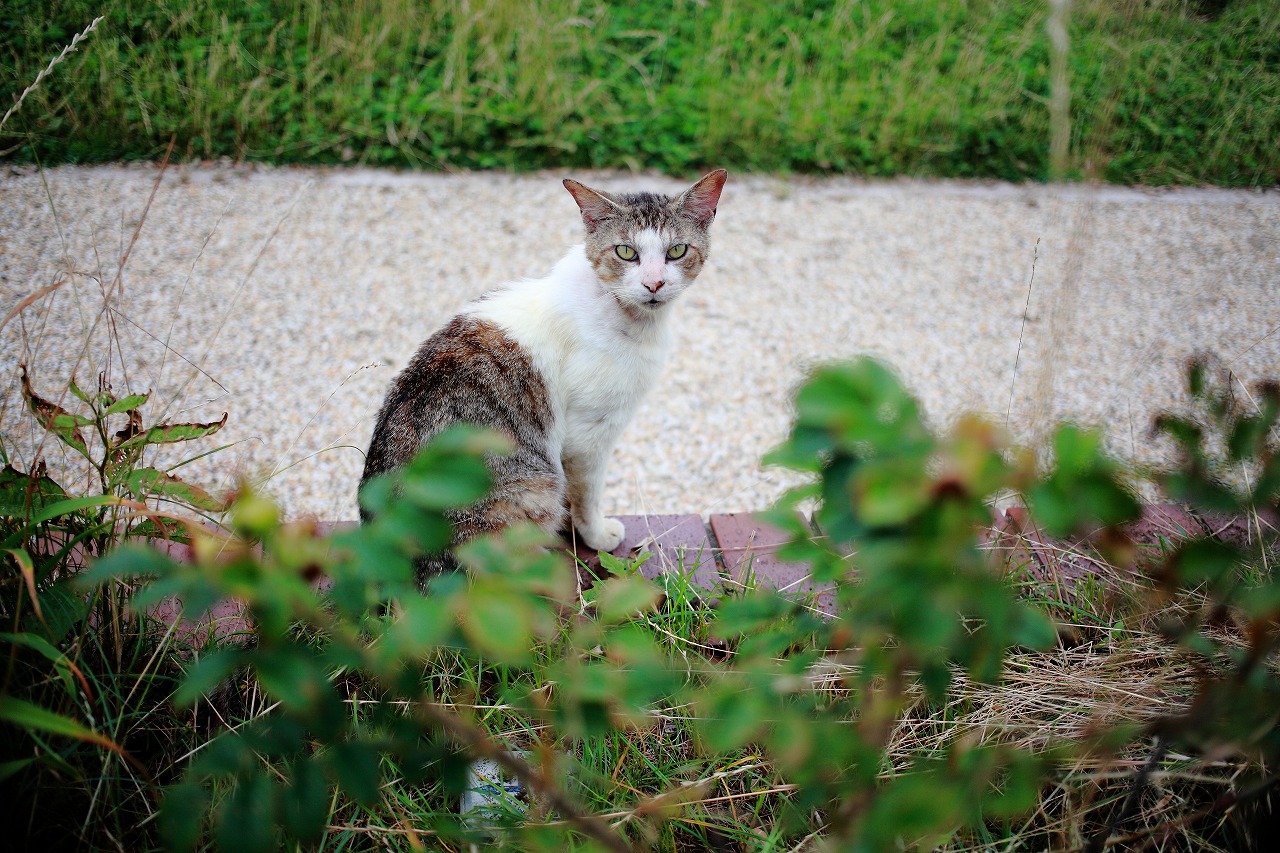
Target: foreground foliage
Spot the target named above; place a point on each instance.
(637, 715)
(80, 677)
(1171, 91)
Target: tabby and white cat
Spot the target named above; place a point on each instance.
(558, 364)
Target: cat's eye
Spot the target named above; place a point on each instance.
(627, 253)
(677, 251)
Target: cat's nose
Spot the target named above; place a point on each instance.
(653, 287)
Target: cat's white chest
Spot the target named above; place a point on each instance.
(603, 381)
(597, 363)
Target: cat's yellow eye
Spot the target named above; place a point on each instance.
(677, 251)
(627, 253)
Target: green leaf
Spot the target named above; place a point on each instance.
(623, 598)
(1197, 384)
(735, 716)
(54, 418)
(1262, 601)
(9, 768)
(293, 677)
(72, 505)
(127, 404)
(793, 739)
(935, 677)
(246, 821)
(126, 562)
(1205, 561)
(752, 613)
(64, 606)
(207, 673)
(228, 754)
(378, 494)
(181, 817)
(1020, 786)
(355, 766)
(860, 402)
(499, 622)
(35, 643)
(165, 529)
(144, 483)
(75, 389)
(170, 433)
(424, 623)
(1084, 486)
(254, 515)
(30, 717)
(450, 471)
(620, 566)
(1032, 629)
(22, 494)
(890, 491)
(448, 483)
(916, 805)
(62, 664)
(304, 801)
(466, 440)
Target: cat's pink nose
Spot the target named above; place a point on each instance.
(654, 287)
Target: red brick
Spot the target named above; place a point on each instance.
(749, 545)
(678, 543)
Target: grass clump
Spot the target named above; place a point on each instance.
(1172, 92)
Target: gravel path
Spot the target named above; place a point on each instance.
(289, 298)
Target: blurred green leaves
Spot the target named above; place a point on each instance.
(1083, 488)
(358, 667)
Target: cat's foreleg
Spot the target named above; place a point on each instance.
(585, 475)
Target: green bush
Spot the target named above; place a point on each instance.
(81, 677)
(1161, 92)
(630, 710)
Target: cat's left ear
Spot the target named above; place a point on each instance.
(596, 206)
(701, 199)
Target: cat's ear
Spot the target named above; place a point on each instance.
(596, 206)
(700, 200)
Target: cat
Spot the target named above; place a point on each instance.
(558, 364)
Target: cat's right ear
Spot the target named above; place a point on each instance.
(595, 205)
(701, 199)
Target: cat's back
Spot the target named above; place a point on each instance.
(472, 370)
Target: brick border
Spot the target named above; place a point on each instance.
(732, 550)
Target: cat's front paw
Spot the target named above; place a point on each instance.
(603, 535)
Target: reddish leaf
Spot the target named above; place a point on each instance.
(169, 433)
(54, 418)
(150, 482)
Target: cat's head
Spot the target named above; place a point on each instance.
(647, 248)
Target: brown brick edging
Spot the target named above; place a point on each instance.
(731, 551)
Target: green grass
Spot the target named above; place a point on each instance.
(1170, 91)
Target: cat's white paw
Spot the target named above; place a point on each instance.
(604, 535)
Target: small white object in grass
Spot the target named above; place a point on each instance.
(490, 790)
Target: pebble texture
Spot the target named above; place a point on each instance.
(289, 298)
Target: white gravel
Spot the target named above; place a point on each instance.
(298, 293)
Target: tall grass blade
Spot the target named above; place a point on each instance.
(53, 63)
